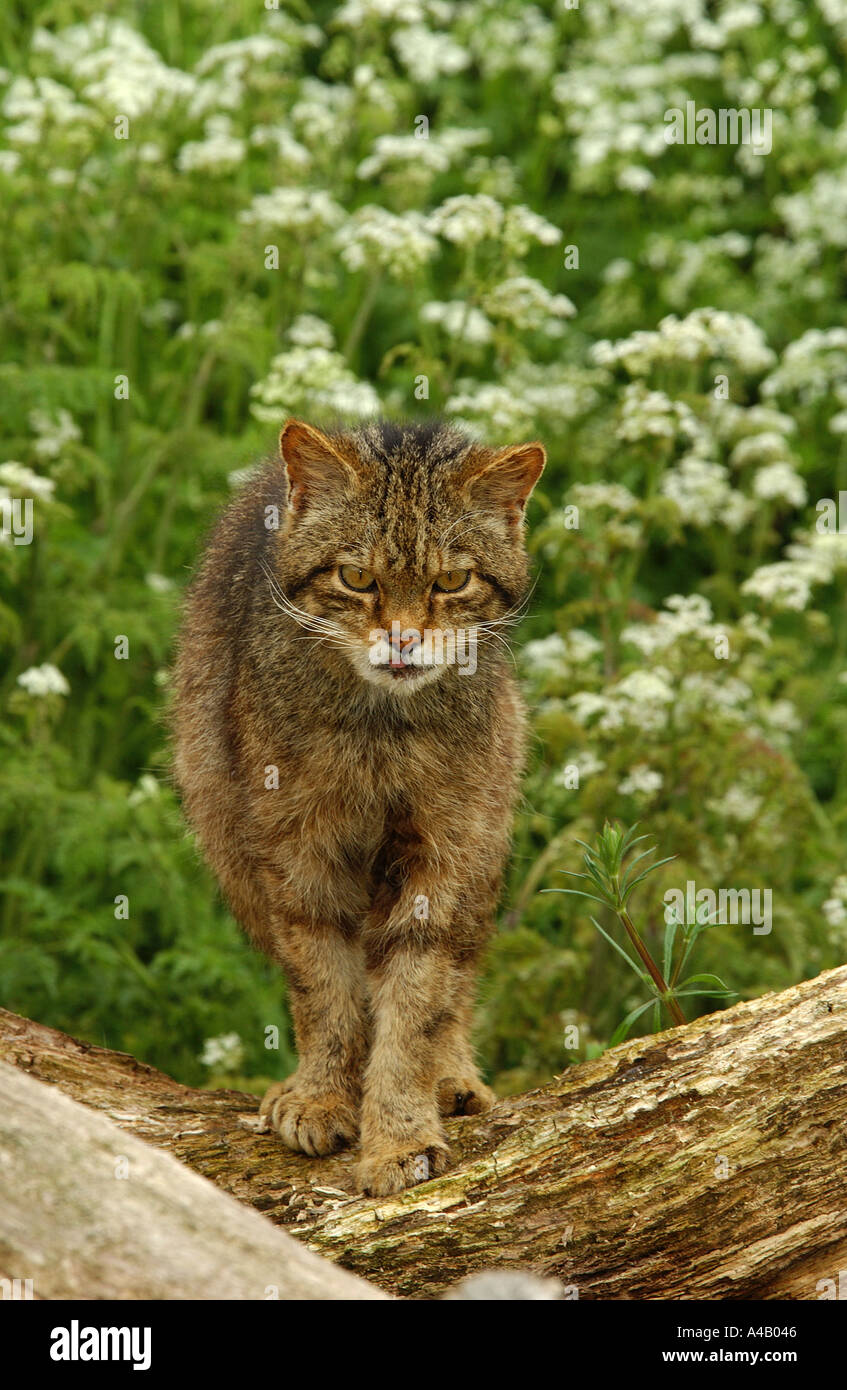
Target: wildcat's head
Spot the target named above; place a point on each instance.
(403, 545)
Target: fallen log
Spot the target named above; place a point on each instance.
(89, 1211)
(707, 1162)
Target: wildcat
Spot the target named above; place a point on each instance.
(352, 791)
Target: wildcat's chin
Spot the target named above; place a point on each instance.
(401, 680)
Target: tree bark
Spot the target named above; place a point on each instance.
(707, 1162)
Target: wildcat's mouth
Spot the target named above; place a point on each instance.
(400, 671)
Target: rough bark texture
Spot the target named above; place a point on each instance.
(707, 1162)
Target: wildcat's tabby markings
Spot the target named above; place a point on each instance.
(392, 792)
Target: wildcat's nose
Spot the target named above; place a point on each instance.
(404, 637)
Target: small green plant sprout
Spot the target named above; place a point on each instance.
(613, 884)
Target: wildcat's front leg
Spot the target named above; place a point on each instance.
(415, 995)
(316, 1111)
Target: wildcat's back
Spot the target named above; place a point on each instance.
(352, 780)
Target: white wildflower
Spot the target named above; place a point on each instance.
(159, 583)
(459, 320)
(147, 789)
(529, 306)
(306, 210)
(373, 236)
(218, 153)
(224, 1053)
(44, 680)
(426, 55)
(641, 781)
(311, 377)
(737, 804)
(546, 655)
(780, 481)
(704, 335)
(22, 481)
(612, 495)
(308, 330)
(53, 432)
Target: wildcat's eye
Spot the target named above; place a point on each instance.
(354, 578)
(450, 581)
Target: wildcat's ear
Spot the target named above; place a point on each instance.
(314, 465)
(506, 478)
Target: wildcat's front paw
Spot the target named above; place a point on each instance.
(459, 1095)
(309, 1124)
(382, 1172)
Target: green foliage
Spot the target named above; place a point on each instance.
(685, 655)
(614, 884)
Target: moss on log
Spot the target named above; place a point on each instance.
(706, 1162)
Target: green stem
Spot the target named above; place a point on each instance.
(655, 973)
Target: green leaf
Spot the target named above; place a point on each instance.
(623, 1028)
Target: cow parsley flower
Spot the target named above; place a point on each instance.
(220, 152)
(373, 236)
(459, 320)
(779, 481)
(641, 781)
(44, 680)
(24, 482)
(529, 306)
(306, 210)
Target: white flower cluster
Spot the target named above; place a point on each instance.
(311, 378)
(738, 803)
(470, 218)
(146, 789)
(641, 781)
(612, 495)
(426, 55)
(702, 491)
(819, 211)
(44, 680)
(523, 41)
(460, 320)
(35, 103)
(53, 433)
(687, 616)
(218, 153)
(408, 154)
(308, 330)
(116, 66)
(811, 367)
(304, 210)
(787, 584)
(289, 151)
(558, 656)
(374, 237)
(19, 481)
(529, 306)
(703, 335)
(835, 907)
(225, 1052)
(529, 398)
(641, 700)
(780, 482)
(586, 763)
(646, 414)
